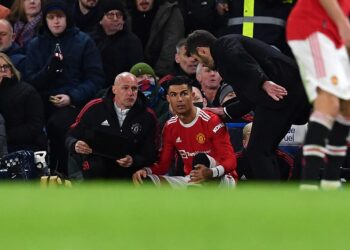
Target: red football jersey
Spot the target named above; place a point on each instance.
(308, 16)
(205, 134)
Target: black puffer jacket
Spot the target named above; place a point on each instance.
(22, 109)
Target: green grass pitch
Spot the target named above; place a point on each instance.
(109, 216)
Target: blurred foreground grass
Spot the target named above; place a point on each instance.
(119, 216)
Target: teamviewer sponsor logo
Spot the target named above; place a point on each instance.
(217, 127)
(184, 154)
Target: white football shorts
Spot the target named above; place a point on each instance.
(322, 65)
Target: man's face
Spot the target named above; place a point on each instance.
(144, 5)
(32, 7)
(88, 4)
(125, 89)
(6, 36)
(112, 22)
(180, 98)
(187, 63)
(56, 22)
(203, 56)
(209, 78)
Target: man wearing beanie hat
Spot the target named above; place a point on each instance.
(148, 85)
(226, 94)
(119, 48)
(64, 65)
(142, 69)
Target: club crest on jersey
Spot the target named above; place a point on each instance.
(200, 138)
(334, 80)
(136, 128)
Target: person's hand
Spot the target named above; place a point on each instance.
(82, 147)
(138, 176)
(274, 90)
(217, 110)
(222, 8)
(125, 162)
(200, 173)
(60, 100)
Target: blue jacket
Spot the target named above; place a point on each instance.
(82, 74)
(17, 57)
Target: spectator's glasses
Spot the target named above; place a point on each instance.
(111, 15)
(5, 67)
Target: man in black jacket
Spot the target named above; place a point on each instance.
(120, 49)
(124, 113)
(265, 81)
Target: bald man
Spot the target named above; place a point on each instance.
(9, 47)
(121, 113)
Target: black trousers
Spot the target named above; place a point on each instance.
(269, 128)
(58, 123)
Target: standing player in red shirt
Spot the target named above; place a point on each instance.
(201, 139)
(318, 31)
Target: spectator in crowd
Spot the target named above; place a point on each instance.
(26, 17)
(226, 95)
(10, 48)
(4, 12)
(200, 14)
(22, 109)
(123, 112)
(64, 65)
(198, 98)
(86, 14)
(264, 80)
(159, 25)
(285, 161)
(209, 80)
(120, 49)
(184, 64)
(264, 20)
(148, 85)
(201, 139)
(321, 50)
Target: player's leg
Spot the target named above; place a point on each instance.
(337, 148)
(326, 107)
(324, 70)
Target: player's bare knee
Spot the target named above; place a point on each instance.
(327, 104)
(345, 109)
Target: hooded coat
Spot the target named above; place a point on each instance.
(82, 74)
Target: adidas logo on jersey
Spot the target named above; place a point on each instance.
(105, 123)
(178, 140)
